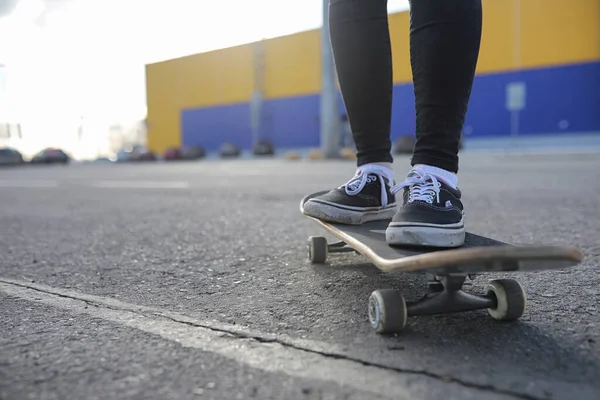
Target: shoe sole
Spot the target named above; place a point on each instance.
(349, 216)
(427, 235)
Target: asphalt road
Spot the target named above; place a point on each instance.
(191, 281)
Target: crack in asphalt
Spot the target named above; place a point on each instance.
(283, 342)
(232, 333)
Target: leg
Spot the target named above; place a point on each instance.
(362, 51)
(445, 36)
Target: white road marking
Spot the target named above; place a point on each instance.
(135, 184)
(274, 357)
(28, 183)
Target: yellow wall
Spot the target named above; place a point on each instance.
(399, 36)
(516, 34)
(519, 34)
(215, 78)
(293, 65)
(497, 37)
(559, 32)
(163, 105)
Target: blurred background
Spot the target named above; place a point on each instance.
(145, 80)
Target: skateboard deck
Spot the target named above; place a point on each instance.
(478, 254)
(446, 271)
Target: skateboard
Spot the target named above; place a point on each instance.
(446, 271)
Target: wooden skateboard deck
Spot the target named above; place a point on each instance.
(478, 254)
(446, 271)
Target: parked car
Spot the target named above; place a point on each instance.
(172, 154)
(263, 147)
(193, 152)
(144, 154)
(229, 150)
(10, 156)
(124, 155)
(135, 153)
(50, 156)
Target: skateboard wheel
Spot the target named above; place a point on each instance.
(510, 297)
(317, 249)
(387, 311)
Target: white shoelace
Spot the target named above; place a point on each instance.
(364, 175)
(424, 188)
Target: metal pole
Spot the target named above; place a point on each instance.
(257, 93)
(514, 114)
(330, 113)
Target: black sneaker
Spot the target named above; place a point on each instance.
(365, 197)
(431, 215)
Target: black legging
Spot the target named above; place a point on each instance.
(445, 36)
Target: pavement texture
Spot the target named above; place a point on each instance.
(191, 280)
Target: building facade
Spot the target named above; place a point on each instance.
(538, 73)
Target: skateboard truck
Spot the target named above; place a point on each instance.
(446, 296)
(504, 299)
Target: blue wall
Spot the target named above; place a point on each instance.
(568, 93)
(557, 94)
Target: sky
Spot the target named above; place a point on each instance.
(70, 58)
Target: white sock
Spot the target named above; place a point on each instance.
(449, 178)
(387, 165)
